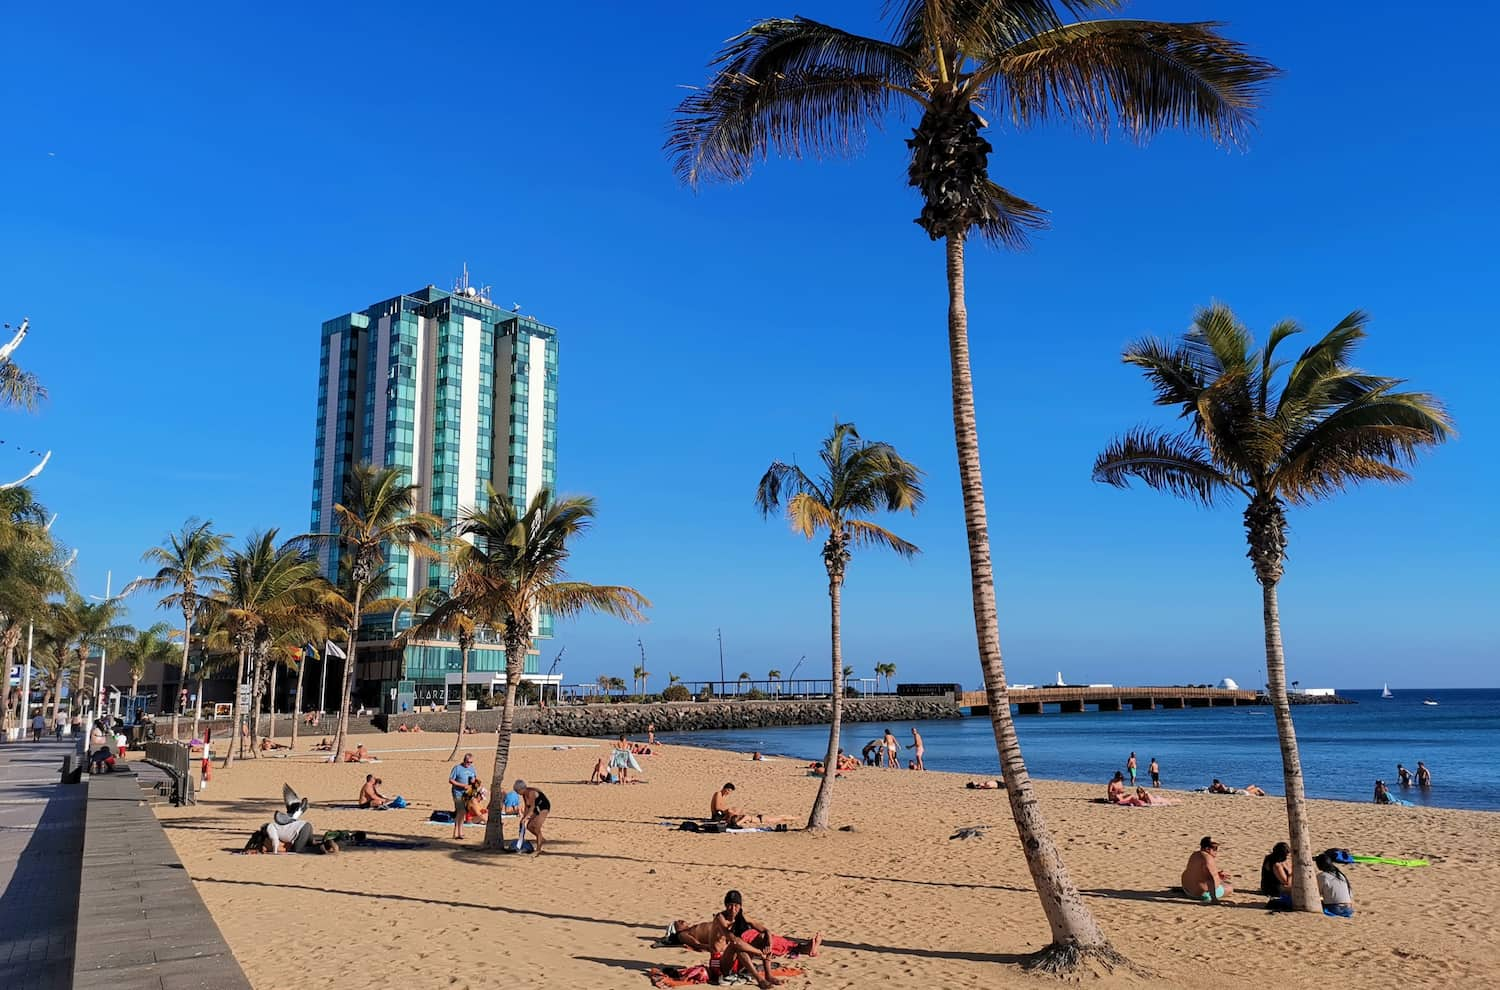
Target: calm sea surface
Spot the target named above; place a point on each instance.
(1344, 747)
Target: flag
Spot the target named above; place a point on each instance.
(334, 650)
(310, 651)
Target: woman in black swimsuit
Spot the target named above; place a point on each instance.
(534, 809)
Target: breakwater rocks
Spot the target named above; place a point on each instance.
(685, 716)
(1307, 699)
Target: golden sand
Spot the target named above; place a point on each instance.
(900, 902)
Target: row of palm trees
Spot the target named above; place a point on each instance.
(797, 87)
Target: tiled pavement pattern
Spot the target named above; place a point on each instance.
(41, 850)
(141, 924)
(94, 896)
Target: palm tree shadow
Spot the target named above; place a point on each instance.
(1170, 895)
(631, 965)
(1010, 958)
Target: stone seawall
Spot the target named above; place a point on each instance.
(686, 716)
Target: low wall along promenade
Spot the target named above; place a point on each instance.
(685, 716)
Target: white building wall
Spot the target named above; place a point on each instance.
(468, 416)
(536, 411)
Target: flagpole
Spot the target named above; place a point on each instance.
(323, 682)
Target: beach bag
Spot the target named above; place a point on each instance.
(1340, 856)
(445, 817)
(398, 802)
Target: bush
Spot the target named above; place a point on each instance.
(676, 692)
(755, 694)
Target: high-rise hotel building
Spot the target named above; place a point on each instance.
(459, 394)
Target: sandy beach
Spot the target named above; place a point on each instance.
(900, 902)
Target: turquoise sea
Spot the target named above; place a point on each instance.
(1344, 748)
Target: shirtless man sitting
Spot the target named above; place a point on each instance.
(370, 796)
(1202, 880)
(720, 811)
(707, 936)
(1218, 787)
(359, 755)
(1115, 794)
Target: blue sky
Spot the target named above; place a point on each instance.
(189, 193)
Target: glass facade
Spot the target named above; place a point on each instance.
(459, 394)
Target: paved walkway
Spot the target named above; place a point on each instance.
(41, 858)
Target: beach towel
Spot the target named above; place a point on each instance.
(686, 976)
(1390, 861)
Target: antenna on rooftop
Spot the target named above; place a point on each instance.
(461, 287)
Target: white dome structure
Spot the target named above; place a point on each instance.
(1228, 684)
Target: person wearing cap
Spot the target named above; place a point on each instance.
(459, 780)
(1202, 880)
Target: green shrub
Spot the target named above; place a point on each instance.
(676, 692)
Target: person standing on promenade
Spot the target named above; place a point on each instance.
(892, 748)
(59, 722)
(462, 776)
(1130, 767)
(1424, 776)
(38, 726)
(916, 745)
(1155, 773)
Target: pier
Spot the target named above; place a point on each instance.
(1032, 701)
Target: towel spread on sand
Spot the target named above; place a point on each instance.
(677, 976)
(1391, 861)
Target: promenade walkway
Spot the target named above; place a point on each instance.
(41, 858)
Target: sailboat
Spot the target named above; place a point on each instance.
(1429, 701)
(1385, 692)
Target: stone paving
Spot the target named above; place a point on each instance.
(94, 895)
(41, 855)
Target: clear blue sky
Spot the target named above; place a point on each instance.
(189, 191)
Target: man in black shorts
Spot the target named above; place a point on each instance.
(534, 808)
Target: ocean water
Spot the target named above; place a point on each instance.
(1344, 748)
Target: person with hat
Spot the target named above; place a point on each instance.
(1202, 880)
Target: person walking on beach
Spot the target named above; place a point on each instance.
(892, 748)
(916, 745)
(462, 776)
(1130, 767)
(1424, 776)
(1155, 773)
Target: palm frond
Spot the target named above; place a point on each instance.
(783, 480)
(790, 85)
(1010, 220)
(1172, 370)
(862, 532)
(1174, 463)
(20, 388)
(1143, 76)
(566, 598)
(809, 515)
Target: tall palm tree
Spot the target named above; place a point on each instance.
(267, 589)
(795, 86)
(378, 512)
(774, 676)
(859, 479)
(519, 559)
(30, 571)
(148, 646)
(739, 688)
(95, 627)
(1275, 440)
(638, 679)
(191, 561)
(453, 614)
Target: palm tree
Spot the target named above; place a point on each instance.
(267, 590)
(795, 86)
(1276, 440)
(190, 561)
(453, 614)
(774, 676)
(639, 679)
(30, 571)
(860, 478)
(518, 562)
(94, 627)
(739, 688)
(378, 512)
(148, 646)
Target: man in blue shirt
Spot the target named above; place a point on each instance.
(462, 776)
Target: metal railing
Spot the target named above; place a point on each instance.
(176, 759)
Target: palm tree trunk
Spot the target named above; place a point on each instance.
(515, 661)
(1075, 933)
(1304, 874)
(818, 819)
(347, 689)
(187, 642)
(297, 704)
(271, 704)
(239, 675)
(463, 696)
(257, 693)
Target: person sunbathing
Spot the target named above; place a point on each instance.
(369, 794)
(758, 935)
(403, 727)
(720, 811)
(478, 808)
(1115, 793)
(416, 728)
(1218, 787)
(707, 936)
(359, 755)
(1254, 791)
(995, 784)
(1202, 880)
(266, 745)
(324, 746)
